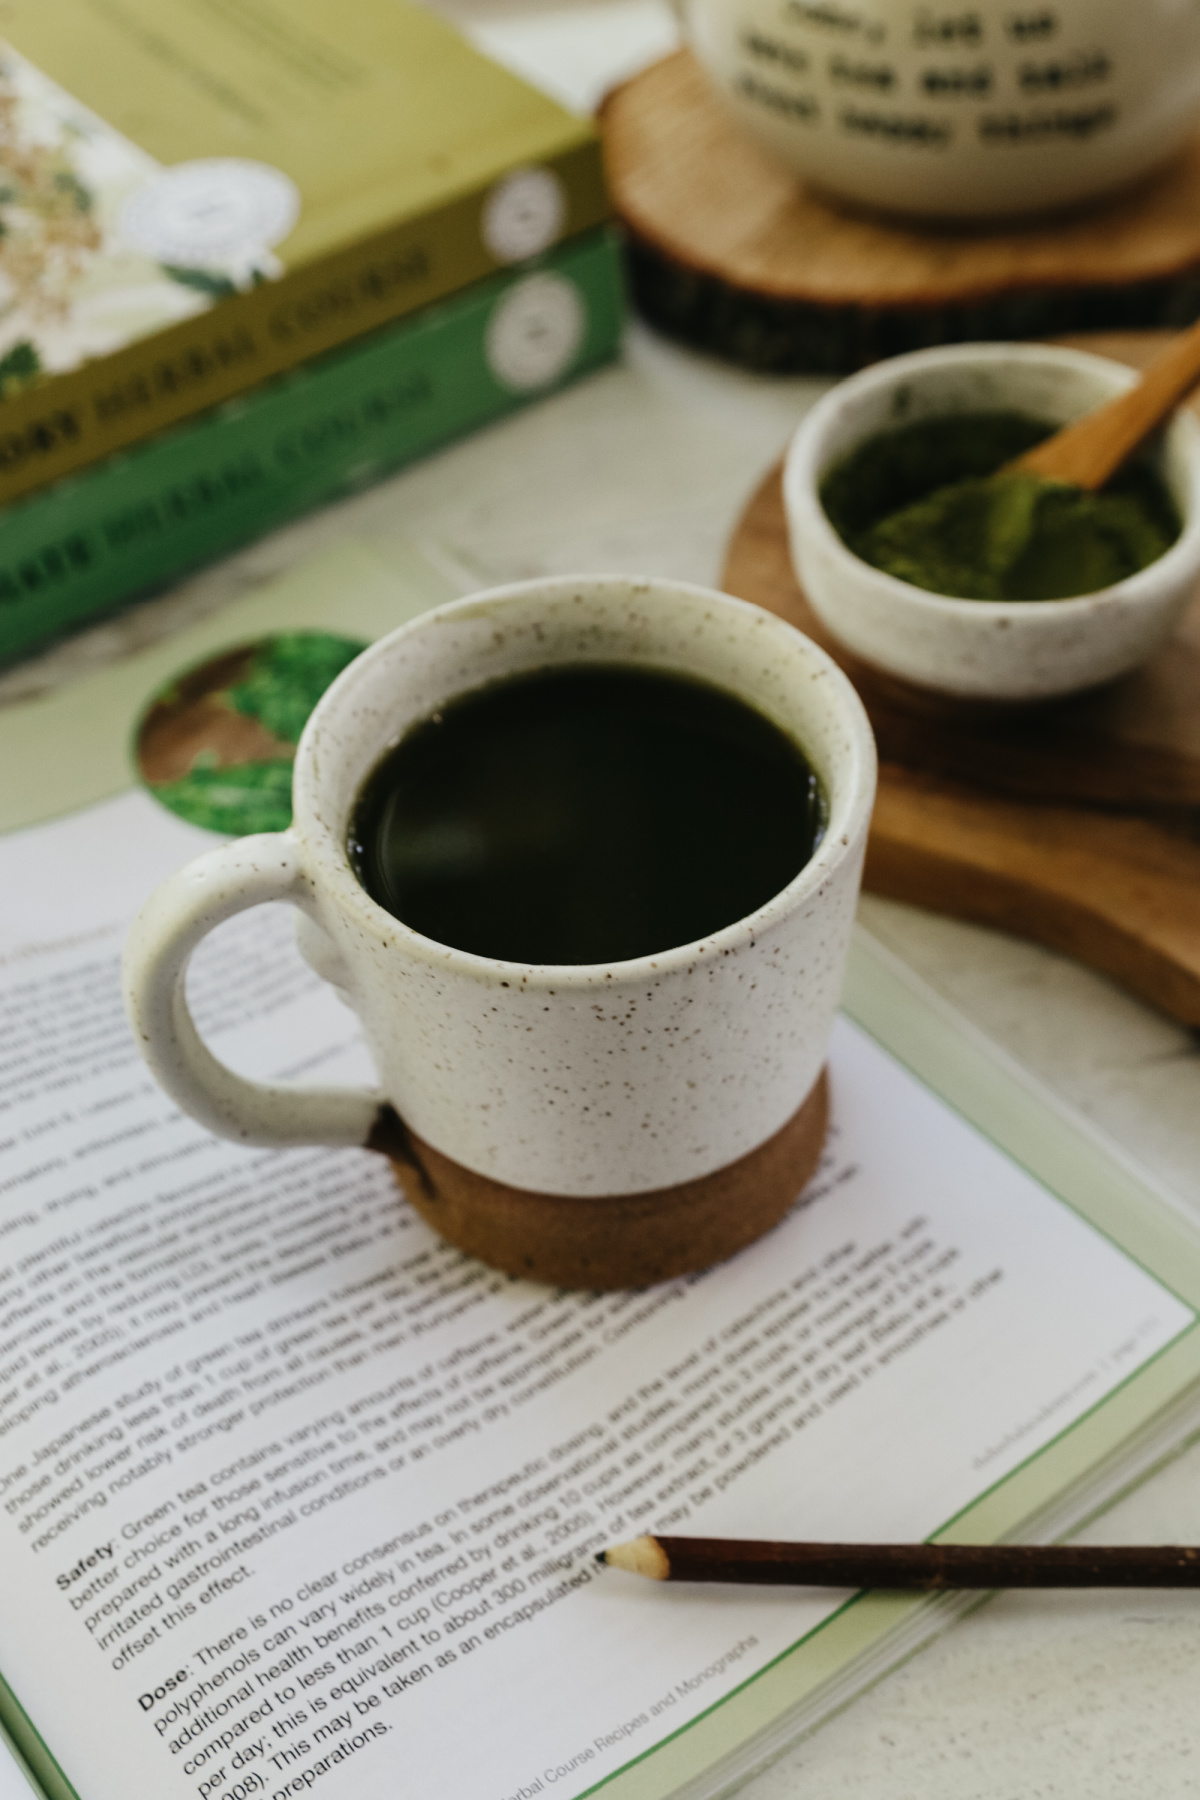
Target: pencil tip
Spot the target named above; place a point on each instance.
(644, 1556)
(602, 1558)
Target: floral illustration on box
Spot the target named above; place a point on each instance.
(216, 744)
(73, 285)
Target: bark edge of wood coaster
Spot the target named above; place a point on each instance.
(730, 253)
(622, 1240)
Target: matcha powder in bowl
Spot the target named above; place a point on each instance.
(928, 504)
(921, 555)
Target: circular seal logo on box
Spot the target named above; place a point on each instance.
(535, 331)
(215, 210)
(524, 214)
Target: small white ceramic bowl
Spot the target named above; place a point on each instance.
(985, 649)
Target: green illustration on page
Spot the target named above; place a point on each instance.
(216, 743)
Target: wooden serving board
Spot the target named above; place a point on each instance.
(1075, 824)
(730, 252)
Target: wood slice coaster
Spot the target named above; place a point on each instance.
(1075, 824)
(729, 252)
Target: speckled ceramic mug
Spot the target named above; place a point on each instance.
(594, 1125)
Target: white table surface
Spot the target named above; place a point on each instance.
(13, 1784)
(645, 468)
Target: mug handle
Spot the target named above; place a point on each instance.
(248, 872)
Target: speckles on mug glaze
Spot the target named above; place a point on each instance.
(606, 1079)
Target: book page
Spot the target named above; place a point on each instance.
(293, 1495)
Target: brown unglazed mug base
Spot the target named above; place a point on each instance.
(613, 1240)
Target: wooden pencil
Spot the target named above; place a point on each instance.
(916, 1567)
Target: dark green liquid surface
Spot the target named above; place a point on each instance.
(585, 814)
(927, 504)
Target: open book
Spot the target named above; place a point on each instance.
(295, 1497)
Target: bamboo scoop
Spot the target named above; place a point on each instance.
(1087, 453)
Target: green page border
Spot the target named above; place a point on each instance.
(33, 1758)
(12, 1756)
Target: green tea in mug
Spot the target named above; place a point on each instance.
(585, 814)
